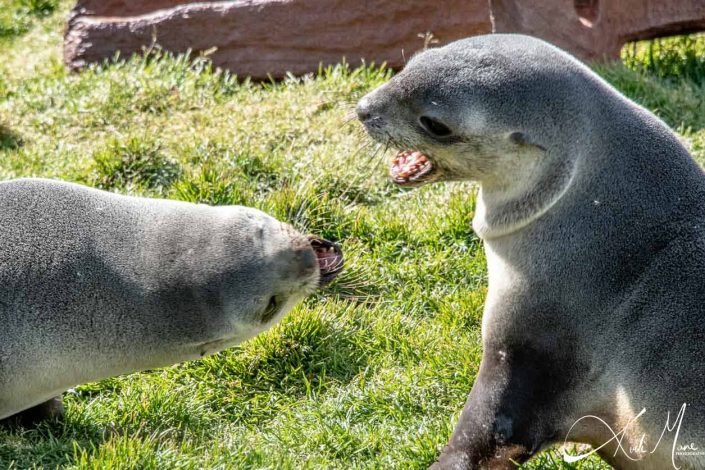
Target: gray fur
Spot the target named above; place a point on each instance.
(593, 218)
(94, 284)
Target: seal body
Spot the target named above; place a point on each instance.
(94, 284)
(593, 222)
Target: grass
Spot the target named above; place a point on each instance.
(18, 16)
(369, 374)
(674, 58)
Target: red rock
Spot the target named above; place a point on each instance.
(262, 38)
(123, 8)
(597, 29)
(271, 37)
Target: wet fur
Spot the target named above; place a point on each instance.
(593, 220)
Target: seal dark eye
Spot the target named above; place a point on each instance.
(435, 128)
(271, 310)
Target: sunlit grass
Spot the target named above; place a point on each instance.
(371, 373)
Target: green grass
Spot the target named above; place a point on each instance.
(674, 58)
(371, 373)
(17, 16)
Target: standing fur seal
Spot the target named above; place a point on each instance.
(593, 220)
(94, 284)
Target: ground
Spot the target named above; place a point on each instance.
(370, 373)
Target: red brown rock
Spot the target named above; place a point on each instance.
(261, 38)
(124, 8)
(597, 29)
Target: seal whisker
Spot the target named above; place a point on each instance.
(350, 117)
(357, 176)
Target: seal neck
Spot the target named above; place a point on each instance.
(508, 204)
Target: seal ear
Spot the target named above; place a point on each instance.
(520, 138)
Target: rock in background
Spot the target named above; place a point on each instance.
(263, 38)
(597, 29)
(258, 38)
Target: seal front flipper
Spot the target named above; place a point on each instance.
(514, 409)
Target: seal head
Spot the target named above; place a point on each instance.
(479, 110)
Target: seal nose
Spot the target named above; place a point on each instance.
(363, 109)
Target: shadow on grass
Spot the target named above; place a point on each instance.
(9, 139)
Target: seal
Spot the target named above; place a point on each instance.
(95, 284)
(593, 222)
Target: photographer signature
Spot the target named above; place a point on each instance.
(640, 448)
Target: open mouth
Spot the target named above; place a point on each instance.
(411, 167)
(330, 258)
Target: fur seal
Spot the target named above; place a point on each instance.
(592, 215)
(95, 284)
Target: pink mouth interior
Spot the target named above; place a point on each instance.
(410, 166)
(329, 257)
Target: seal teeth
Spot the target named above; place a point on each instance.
(330, 258)
(410, 165)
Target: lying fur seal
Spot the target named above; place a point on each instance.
(593, 220)
(94, 284)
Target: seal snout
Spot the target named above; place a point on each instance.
(329, 257)
(363, 109)
(370, 111)
(380, 114)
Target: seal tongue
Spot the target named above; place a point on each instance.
(409, 166)
(330, 258)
